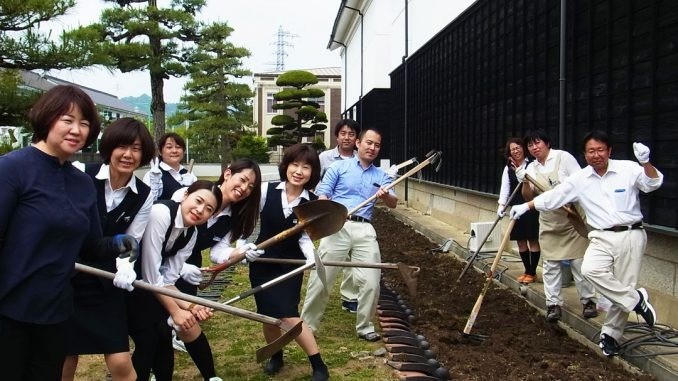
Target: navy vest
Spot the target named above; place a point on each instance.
(170, 184)
(273, 221)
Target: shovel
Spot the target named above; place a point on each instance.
(318, 218)
(473, 257)
(476, 307)
(572, 214)
(409, 273)
(291, 331)
(319, 266)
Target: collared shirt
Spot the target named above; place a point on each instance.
(221, 250)
(330, 156)
(608, 200)
(304, 240)
(568, 166)
(156, 270)
(115, 196)
(349, 184)
(505, 190)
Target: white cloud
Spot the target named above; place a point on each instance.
(256, 24)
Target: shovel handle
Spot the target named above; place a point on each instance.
(407, 174)
(371, 265)
(189, 298)
(572, 214)
(215, 270)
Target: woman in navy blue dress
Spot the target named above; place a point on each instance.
(99, 323)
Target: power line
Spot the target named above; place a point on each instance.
(282, 40)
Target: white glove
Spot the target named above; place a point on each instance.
(520, 173)
(392, 172)
(500, 211)
(642, 152)
(519, 210)
(125, 274)
(251, 253)
(308, 251)
(191, 274)
(155, 166)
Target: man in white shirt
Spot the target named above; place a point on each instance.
(346, 131)
(608, 191)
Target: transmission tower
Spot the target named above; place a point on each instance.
(282, 40)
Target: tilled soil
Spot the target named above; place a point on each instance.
(520, 344)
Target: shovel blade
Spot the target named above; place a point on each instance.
(320, 269)
(270, 349)
(321, 217)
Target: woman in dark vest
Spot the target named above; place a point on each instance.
(167, 242)
(99, 323)
(300, 169)
(240, 186)
(526, 229)
(167, 174)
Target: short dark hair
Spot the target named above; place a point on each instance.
(305, 153)
(598, 135)
(210, 186)
(350, 123)
(533, 135)
(245, 212)
(373, 129)
(123, 132)
(174, 136)
(55, 103)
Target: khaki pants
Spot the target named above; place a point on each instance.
(612, 264)
(355, 242)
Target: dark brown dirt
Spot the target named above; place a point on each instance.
(520, 345)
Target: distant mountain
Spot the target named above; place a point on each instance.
(143, 102)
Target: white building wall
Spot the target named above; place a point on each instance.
(384, 43)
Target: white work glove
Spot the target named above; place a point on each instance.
(155, 166)
(251, 252)
(520, 173)
(392, 172)
(642, 152)
(519, 210)
(500, 211)
(125, 274)
(191, 274)
(308, 251)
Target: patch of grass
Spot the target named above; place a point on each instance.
(234, 341)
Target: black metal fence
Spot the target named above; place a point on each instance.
(493, 73)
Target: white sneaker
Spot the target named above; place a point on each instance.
(215, 379)
(177, 344)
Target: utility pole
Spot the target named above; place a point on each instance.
(282, 40)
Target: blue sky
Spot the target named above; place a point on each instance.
(255, 22)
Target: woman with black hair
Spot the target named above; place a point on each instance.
(99, 323)
(167, 174)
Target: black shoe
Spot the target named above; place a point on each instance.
(370, 336)
(320, 375)
(590, 310)
(644, 308)
(553, 313)
(273, 366)
(609, 345)
(351, 307)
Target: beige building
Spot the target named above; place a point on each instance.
(329, 80)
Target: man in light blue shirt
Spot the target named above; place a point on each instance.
(346, 132)
(350, 182)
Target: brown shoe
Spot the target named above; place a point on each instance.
(528, 279)
(521, 277)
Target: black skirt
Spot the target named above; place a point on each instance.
(99, 322)
(280, 300)
(526, 227)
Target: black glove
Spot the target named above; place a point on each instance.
(127, 246)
